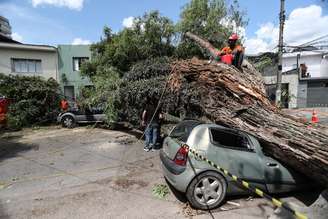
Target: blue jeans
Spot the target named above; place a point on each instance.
(151, 135)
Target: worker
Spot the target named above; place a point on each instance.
(151, 118)
(64, 105)
(233, 54)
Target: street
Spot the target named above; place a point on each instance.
(94, 173)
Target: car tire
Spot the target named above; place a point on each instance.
(68, 122)
(207, 190)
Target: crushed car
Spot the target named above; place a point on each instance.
(236, 151)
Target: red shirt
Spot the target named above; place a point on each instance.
(64, 104)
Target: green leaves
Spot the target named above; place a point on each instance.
(132, 64)
(33, 99)
(160, 191)
(150, 36)
(210, 19)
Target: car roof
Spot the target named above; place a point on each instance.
(204, 124)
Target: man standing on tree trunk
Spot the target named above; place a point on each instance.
(150, 119)
(233, 53)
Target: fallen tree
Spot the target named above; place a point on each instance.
(224, 95)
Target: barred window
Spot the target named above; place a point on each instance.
(26, 66)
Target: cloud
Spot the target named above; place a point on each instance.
(71, 4)
(17, 37)
(241, 31)
(128, 22)
(80, 41)
(302, 25)
(266, 39)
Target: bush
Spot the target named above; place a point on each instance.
(33, 100)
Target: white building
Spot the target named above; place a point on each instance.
(315, 61)
(304, 79)
(29, 60)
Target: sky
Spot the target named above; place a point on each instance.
(54, 22)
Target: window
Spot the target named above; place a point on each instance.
(183, 130)
(78, 61)
(26, 65)
(229, 139)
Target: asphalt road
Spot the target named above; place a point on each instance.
(94, 173)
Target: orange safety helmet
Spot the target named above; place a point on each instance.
(234, 36)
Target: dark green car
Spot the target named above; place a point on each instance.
(236, 151)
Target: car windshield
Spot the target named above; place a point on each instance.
(183, 130)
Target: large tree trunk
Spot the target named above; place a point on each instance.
(227, 96)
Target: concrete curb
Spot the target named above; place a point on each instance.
(318, 210)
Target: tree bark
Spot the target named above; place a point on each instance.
(237, 99)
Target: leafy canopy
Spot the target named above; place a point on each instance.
(213, 20)
(131, 65)
(150, 36)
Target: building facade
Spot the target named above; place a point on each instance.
(28, 60)
(304, 79)
(70, 59)
(314, 63)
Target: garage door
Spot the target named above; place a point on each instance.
(317, 94)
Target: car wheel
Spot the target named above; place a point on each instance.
(68, 122)
(207, 190)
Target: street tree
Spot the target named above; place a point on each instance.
(214, 20)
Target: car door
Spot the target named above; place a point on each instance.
(90, 115)
(278, 176)
(236, 153)
(79, 115)
(98, 114)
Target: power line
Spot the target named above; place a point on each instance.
(313, 41)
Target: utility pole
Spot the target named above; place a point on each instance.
(280, 49)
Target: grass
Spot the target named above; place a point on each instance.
(160, 191)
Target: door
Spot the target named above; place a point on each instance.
(89, 115)
(98, 113)
(69, 92)
(317, 94)
(236, 153)
(278, 177)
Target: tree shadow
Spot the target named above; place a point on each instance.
(3, 213)
(179, 195)
(307, 195)
(10, 147)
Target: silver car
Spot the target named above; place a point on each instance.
(72, 117)
(236, 151)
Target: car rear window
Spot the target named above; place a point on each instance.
(183, 130)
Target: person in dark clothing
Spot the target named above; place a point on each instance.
(151, 120)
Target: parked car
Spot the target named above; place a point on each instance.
(236, 151)
(72, 117)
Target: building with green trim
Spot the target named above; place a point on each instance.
(70, 58)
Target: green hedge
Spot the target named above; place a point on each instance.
(33, 99)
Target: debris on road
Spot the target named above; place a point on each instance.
(127, 183)
(233, 203)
